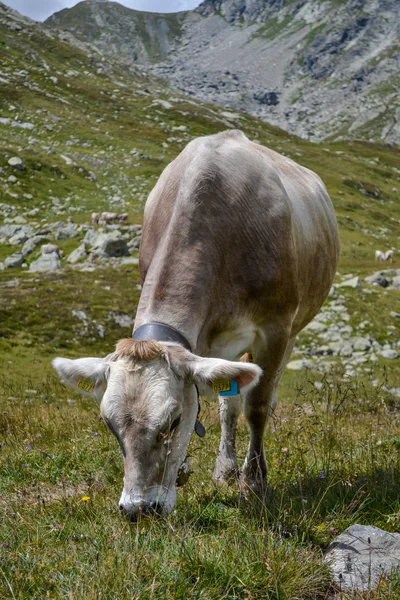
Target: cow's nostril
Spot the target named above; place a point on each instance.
(121, 507)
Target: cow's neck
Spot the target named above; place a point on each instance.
(183, 307)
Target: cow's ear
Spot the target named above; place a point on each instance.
(210, 370)
(86, 375)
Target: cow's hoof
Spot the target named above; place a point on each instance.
(252, 487)
(225, 472)
(253, 479)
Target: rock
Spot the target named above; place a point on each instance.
(122, 319)
(395, 283)
(7, 231)
(110, 244)
(18, 238)
(378, 279)
(134, 243)
(301, 365)
(395, 315)
(360, 556)
(389, 353)
(46, 262)
(346, 349)
(316, 327)
(354, 283)
(31, 244)
(360, 344)
(66, 232)
(15, 260)
(77, 254)
(91, 236)
(268, 98)
(17, 162)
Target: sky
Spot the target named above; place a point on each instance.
(41, 9)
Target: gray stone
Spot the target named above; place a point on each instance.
(395, 315)
(91, 236)
(122, 319)
(301, 365)
(77, 254)
(360, 556)
(316, 327)
(378, 279)
(354, 283)
(18, 238)
(389, 353)
(337, 346)
(17, 162)
(46, 262)
(7, 231)
(134, 243)
(346, 349)
(109, 245)
(19, 220)
(31, 244)
(360, 343)
(395, 283)
(15, 260)
(66, 232)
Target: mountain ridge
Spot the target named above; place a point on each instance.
(319, 69)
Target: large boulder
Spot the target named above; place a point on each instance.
(378, 279)
(389, 353)
(77, 254)
(111, 244)
(65, 232)
(15, 260)
(45, 263)
(360, 556)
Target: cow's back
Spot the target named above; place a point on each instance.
(235, 227)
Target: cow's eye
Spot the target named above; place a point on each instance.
(175, 423)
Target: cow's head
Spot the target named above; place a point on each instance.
(150, 404)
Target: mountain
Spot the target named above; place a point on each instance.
(131, 35)
(320, 69)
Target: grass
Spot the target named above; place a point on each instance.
(333, 451)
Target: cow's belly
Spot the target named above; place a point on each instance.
(233, 342)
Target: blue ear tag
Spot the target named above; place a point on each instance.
(226, 387)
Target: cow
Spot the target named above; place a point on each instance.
(107, 217)
(239, 250)
(389, 255)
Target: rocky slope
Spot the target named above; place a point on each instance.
(320, 69)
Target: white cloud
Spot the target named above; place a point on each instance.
(41, 9)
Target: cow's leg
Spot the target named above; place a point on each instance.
(226, 466)
(260, 403)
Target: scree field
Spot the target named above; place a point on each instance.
(93, 135)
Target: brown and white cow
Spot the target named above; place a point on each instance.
(239, 249)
